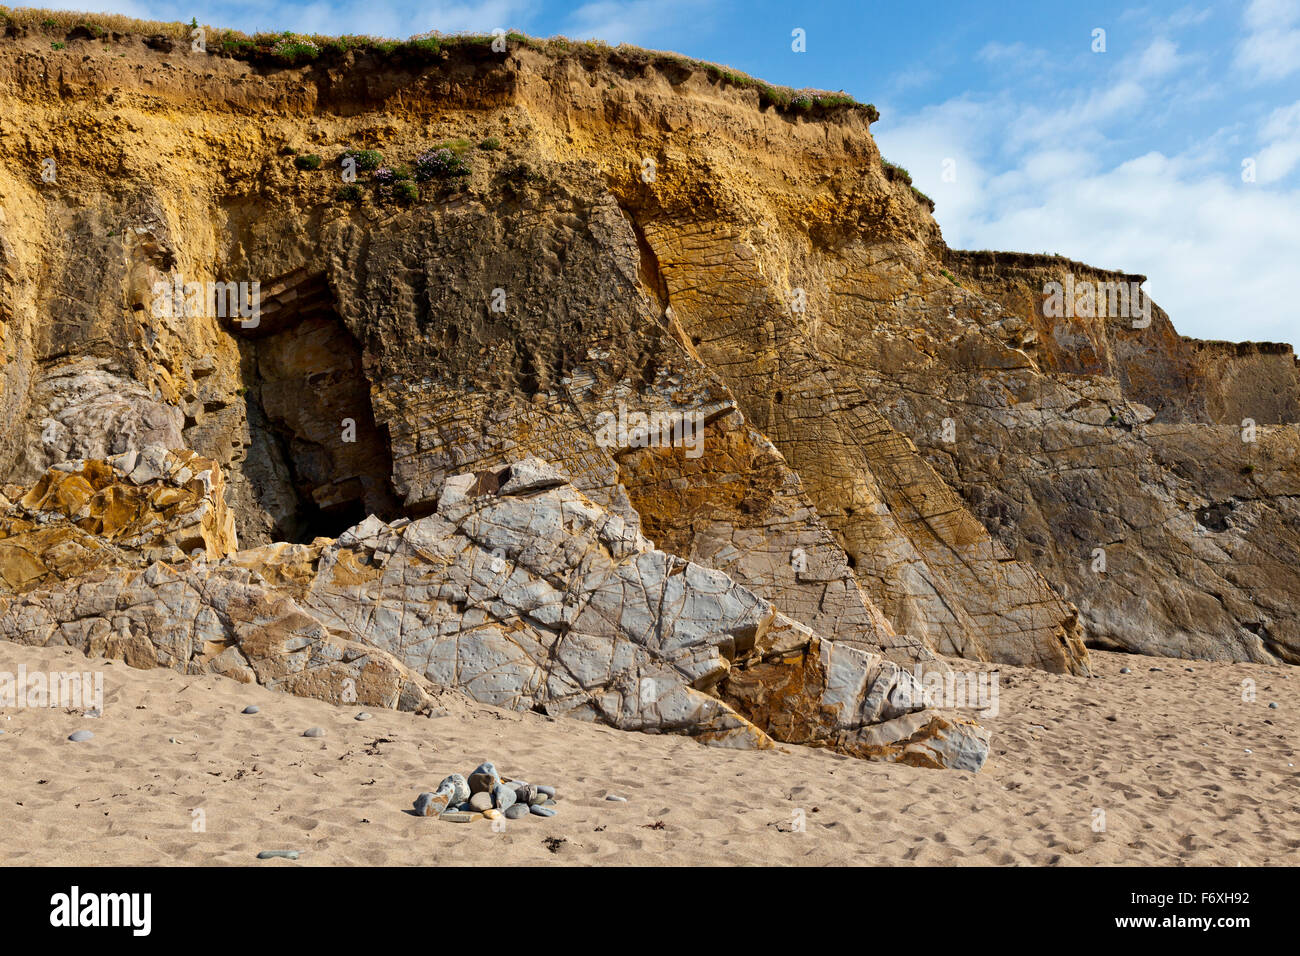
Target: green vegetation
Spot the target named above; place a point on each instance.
(57, 46)
(290, 49)
(490, 144)
(308, 161)
(349, 193)
(293, 50)
(366, 159)
(897, 174)
(950, 277)
(406, 192)
(441, 162)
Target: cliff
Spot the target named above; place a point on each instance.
(566, 252)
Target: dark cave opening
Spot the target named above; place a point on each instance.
(319, 461)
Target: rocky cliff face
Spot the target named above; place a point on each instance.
(721, 320)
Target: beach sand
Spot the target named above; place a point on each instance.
(1184, 770)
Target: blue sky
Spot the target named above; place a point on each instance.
(1131, 158)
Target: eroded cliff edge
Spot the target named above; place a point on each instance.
(900, 450)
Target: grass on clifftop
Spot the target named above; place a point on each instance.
(293, 49)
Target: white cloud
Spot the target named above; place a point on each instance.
(1219, 253)
(1271, 48)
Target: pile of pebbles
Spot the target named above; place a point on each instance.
(485, 794)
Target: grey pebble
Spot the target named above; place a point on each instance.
(458, 816)
(481, 801)
(541, 811)
(1155, 669)
(252, 709)
(516, 812)
(79, 735)
(549, 791)
(280, 854)
(460, 791)
(363, 716)
(313, 732)
(1125, 670)
(615, 798)
(503, 797)
(426, 802)
(538, 799)
(1271, 706)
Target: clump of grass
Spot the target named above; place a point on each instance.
(491, 144)
(896, 173)
(949, 276)
(307, 161)
(293, 49)
(1248, 469)
(57, 46)
(406, 192)
(349, 193)
(100, 24)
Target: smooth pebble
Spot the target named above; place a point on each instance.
(79, 735)
(503, 797)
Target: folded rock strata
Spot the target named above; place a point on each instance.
(518, 591)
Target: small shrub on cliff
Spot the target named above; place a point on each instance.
(309, 161)
(440, 163)
(292, 50)
(490, 144)
(406, 192)
(349, 193)
(366, 159)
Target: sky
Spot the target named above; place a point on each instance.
(1168, 144)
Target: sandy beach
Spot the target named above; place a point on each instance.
(1185, 771)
